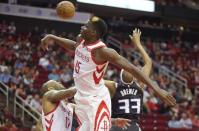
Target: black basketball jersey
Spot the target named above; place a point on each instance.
(127, 101)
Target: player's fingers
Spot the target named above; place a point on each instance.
(131, 37)
(124, 119)
(171, 101)
(140, 32)
(135, 30)
(124, 128)
(128, 124)
(172, 98)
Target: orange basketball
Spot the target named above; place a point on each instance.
(65, 9)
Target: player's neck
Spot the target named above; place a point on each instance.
(90, 41)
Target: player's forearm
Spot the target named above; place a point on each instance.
(138, 74)
(65, 43)
(63, 94)
(145, 56)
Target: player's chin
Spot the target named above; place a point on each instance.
(83, 35)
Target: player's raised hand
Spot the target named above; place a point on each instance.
(122, 123)
(166, 97)
(48, 39)
(135, 37)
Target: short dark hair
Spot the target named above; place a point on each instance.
(99, 25)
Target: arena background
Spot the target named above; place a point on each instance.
(170, 35)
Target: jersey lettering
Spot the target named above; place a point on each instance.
(129, 104)
(77, 66)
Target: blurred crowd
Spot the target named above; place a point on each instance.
(24, 67)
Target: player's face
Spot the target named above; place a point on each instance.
(87, 31)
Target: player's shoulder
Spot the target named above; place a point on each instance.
(79, 39)
(104, 49)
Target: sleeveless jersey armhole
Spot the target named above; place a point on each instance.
(121, 78)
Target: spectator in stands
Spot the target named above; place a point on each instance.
(12, 89)
(53, 75)
(195, 121)
(174, 123)
(36, 103)
(28, 100)
(19, 64)
(16, 78)
(185, 121)
(187, 93)
(43, 61)
(10, 126)
(152, 103)
(20, 91)
(66, 76)
(27, 79)
(12, 28)
(5, 77)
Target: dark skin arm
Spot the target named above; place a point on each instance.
(65, 43)
(53, 97)
(107, 54)
(57, 95)
(146, 69)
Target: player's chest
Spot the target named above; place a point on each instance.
(83, 55)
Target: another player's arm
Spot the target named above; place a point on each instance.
(57, 95)
(135, 38)
(146, 69)
(108, 54)
(65, 43)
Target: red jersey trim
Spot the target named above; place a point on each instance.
(50, 122)
(52, 109)
(104, 114)
(79, 122)
(93, 58)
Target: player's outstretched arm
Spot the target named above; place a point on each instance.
(57, 95)
(108, 54)
(65, 43)
(135, 39)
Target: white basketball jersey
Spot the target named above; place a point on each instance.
(88, 75)
(59, 119)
